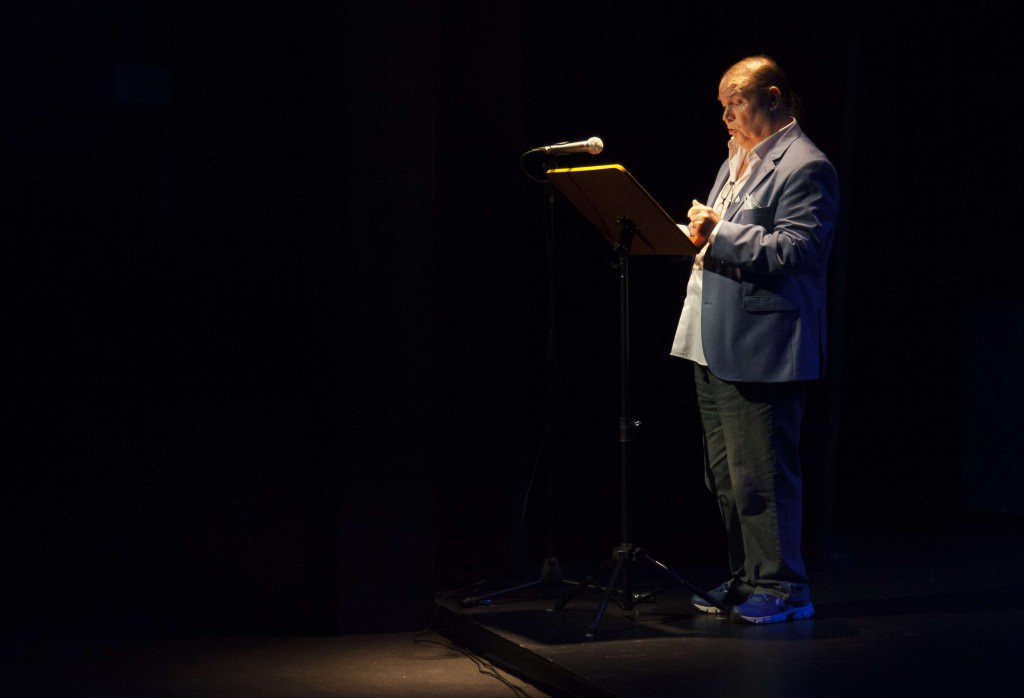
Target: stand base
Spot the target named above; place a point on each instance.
(622, 559)
(550, 575)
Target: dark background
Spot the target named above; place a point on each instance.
(291, 342)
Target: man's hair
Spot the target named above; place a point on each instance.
(760, 72)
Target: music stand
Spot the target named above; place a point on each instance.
(634, 224)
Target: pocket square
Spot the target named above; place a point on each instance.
(750, 203)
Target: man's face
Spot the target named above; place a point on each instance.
(745, 113)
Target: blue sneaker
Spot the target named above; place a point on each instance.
(725, 595)
(765, 608)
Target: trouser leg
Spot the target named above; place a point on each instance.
(716, 475)
(752, 433)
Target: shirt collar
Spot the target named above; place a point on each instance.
(736, 152)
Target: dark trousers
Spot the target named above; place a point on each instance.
(752, 467)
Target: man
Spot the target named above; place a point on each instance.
(753, 324)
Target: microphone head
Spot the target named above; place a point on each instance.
(595, 145)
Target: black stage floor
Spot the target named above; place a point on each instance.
(931, 613)
(899, 613)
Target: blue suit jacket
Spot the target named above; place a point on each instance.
(763, 314)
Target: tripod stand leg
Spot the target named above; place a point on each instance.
(550, 575)
(485, 599)
(620, 568)
(619, 561)
(580, 587)
(684, 582)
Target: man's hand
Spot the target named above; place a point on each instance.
(703, 220)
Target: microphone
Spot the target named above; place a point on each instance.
(593, 145)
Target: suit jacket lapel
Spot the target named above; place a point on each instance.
(764, 170)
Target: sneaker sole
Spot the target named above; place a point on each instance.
(798, 613)
(709, 609)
